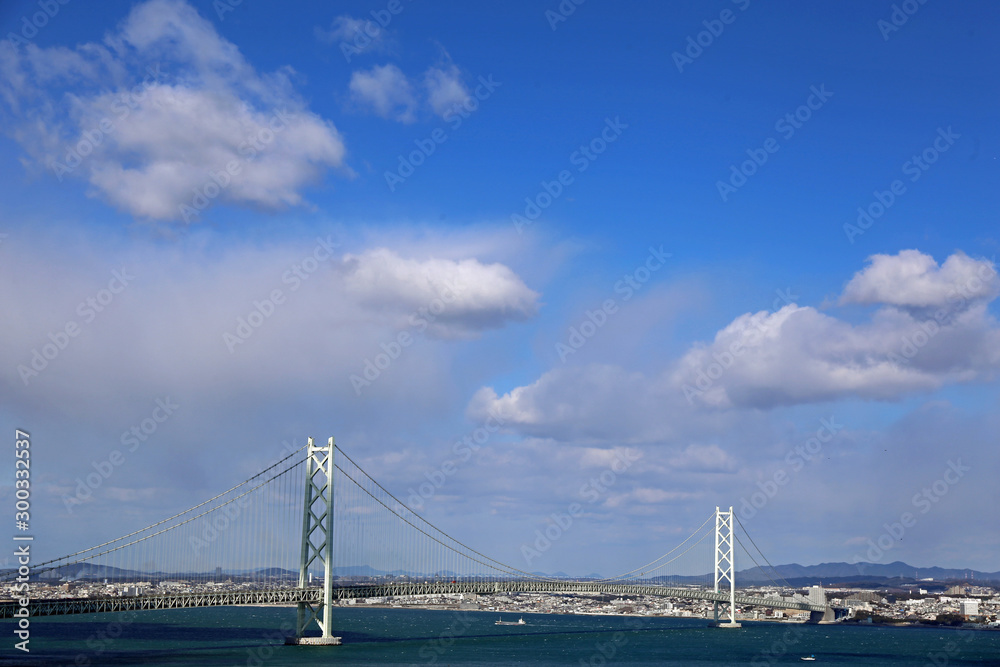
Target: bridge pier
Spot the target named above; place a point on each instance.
(313, 641)
(826, 616)
(317, 517)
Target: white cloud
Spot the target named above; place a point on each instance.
(168, 115)
(445, 89)
(173, 30)
(389, 93)
(799, 355)
(455, 298)
(934, 330)
(592, 403)
(385, 90)
(911, 279)
(794, 356)
(187, 140)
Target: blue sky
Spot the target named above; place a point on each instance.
(214, 158)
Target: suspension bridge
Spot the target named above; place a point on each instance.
(275, 539)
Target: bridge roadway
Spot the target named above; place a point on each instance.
(62, 606)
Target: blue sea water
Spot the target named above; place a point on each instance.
(252, 637)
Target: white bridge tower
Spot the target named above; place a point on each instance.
(724, 565)
(317, 544)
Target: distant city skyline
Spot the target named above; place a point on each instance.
(621, 264)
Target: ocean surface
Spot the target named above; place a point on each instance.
(253, 637)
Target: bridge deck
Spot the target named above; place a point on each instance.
(62, 606)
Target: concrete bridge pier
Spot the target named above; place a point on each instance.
(826, 616)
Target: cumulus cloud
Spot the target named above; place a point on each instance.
(167, 118)
(799, 355)
(450, 298)
(385, 90)
(796, 355)
(912, 279)
(933, 329)
(445, 89)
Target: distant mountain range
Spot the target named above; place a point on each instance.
(871, 574)
(895, 570)
(863, 574)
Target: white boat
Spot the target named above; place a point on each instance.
(519, 621)
(809, 658)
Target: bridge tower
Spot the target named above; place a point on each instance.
(724, 565)
(317, 544)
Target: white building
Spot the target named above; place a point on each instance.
(968, 608)
(817, 595)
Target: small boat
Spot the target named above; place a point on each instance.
(809, 658)
(519, 621)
